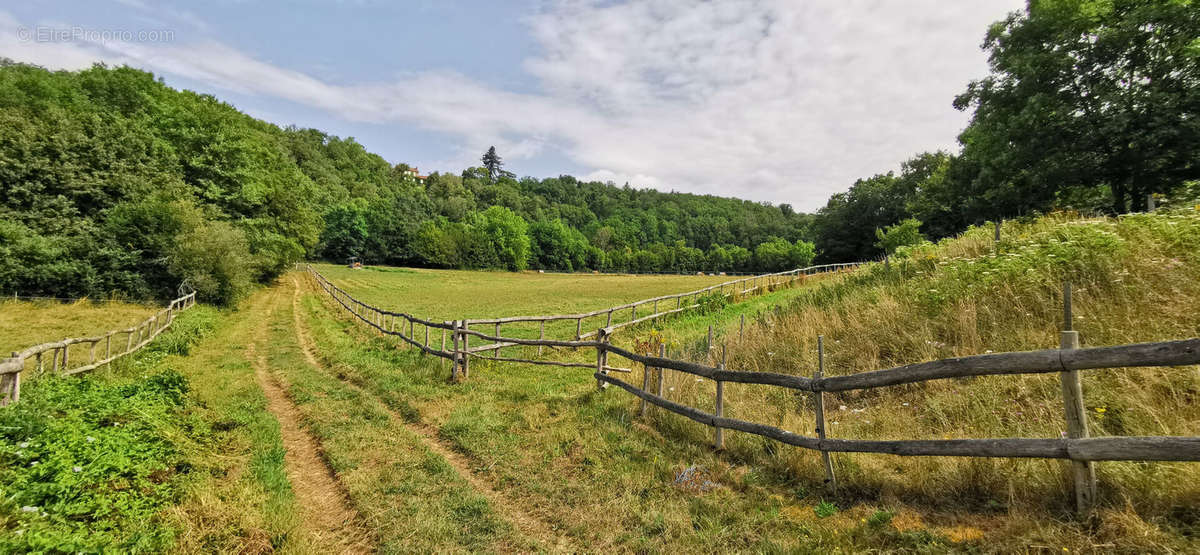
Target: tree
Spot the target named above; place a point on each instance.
(493, 163)
(903, 234)
(1085, 94)
(506, 234)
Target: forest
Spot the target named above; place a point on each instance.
(115, 184)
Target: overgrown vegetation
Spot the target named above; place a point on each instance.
(1135, 279)
(91, 463)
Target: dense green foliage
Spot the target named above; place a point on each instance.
(1091, 105)
(113, 182)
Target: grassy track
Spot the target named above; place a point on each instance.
(27, 323)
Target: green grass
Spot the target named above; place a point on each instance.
(412, 499)
(606, 476)
(457, 294)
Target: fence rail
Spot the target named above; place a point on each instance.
(59, 361)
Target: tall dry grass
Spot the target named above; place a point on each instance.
(1136, 278)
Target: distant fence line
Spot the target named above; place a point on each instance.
(394, 323)
(59, 360)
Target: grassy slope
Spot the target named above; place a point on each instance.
(24, 323)
(589, 463)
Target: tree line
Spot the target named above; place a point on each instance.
(114, 183)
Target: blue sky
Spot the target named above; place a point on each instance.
(772, 100)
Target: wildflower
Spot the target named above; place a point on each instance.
(23, 444)
(29, 509)
(841, 407)
(988, 351)
(77, 468)
(91, 439)
(904, 404)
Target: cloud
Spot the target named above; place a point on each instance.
(767, 99)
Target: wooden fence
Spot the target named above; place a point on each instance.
(1066, 361)
(102, 350)
(410, 328)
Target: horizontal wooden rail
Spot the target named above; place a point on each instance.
(1167, 353)
(59, 360)
(1134, 448)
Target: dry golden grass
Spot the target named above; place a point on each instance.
(1136, 279)
(27, 323)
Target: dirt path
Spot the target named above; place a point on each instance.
(330, 521)
(511, 511)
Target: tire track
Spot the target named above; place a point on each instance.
(511, 511)
(327, 516)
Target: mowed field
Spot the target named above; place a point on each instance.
(27, 323)
(459, 294)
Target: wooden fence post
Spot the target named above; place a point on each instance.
(718, 436)
(645, 387)
(426, 338)
(1083, 472)
(708, 344)
(662, 353)
(10, 383)
(443, 349)
(578, 328)
(465, 371)
(819, 397)
(496, 351)
(997, 237)
(66, 353)
(601, 357)
(609, 323)
(412, 327)
(1149, 202)
(455, 354)
(542, 332)
(39, 364)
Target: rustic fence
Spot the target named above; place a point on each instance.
(102, 350)
(410, 328)
(1067, 361)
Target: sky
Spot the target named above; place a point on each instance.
(782, 101)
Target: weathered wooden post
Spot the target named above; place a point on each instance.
(718, 435)
(609, 323)
(662, 353)
(633, 315)
(1149, 202)
(496, 351)
(708, 343)
(542, 332)
(426, 338)
(412, 327)
(578, 328)
(39, 364)
(601, 357)
(66, 353)
(1083, 472)
(819, 397)
(645, 387)
(443, 349)
(455, 354)
(10, 380)
(92, 353)
(997, 237)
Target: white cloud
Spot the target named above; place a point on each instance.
(772, 100)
